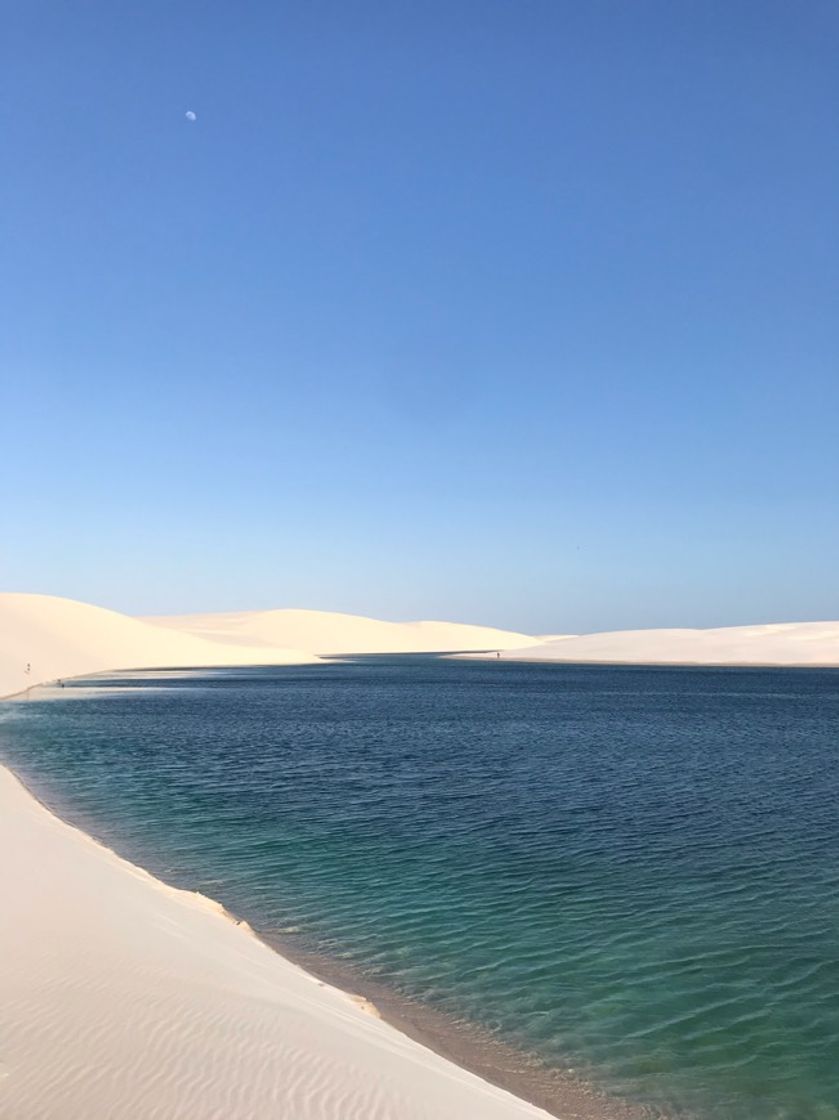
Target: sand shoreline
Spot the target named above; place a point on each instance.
(560, 1093)
(84, 1083)
(615, 663)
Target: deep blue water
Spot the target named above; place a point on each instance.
(631, 871)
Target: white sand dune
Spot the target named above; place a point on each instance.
(64, 638)
(328, 632)
(792, 643)
(123, 998)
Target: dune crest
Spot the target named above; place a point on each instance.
(329, 632)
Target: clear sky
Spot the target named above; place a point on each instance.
(517, 312)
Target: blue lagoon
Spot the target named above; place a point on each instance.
(630, 873)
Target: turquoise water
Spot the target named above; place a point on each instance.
(634, 872)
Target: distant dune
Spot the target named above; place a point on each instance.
(329, 632)
(790, 643)
(64, 638)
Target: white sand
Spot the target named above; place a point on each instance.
(329, 632)
(124, 999)
(64, 638)
(793, 643)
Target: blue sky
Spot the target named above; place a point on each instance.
(519, 313)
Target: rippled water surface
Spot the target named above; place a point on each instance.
(634, 872)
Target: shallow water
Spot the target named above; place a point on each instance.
(630, 871)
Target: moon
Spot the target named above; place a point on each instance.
(190, 116)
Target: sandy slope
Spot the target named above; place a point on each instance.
(121, 997)
(64, 638)
(328, 632)
(794, 643)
